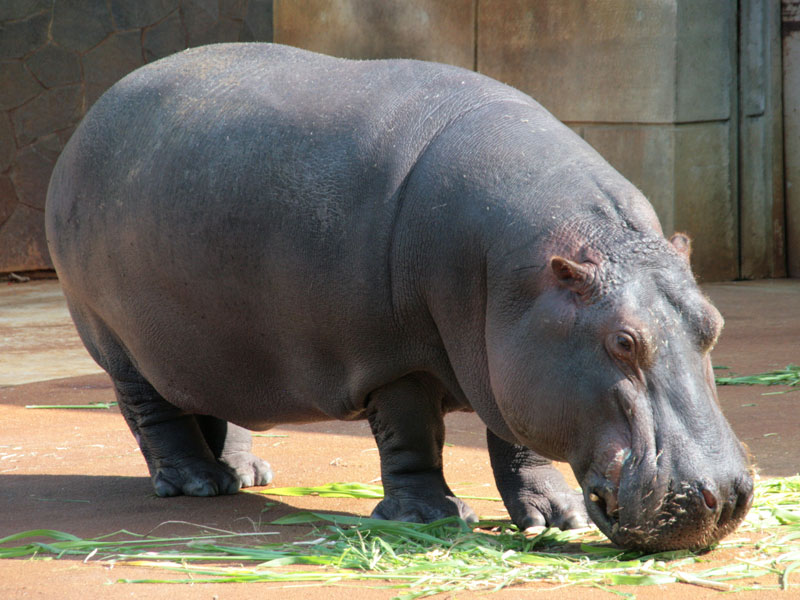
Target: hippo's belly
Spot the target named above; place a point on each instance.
(232, 236)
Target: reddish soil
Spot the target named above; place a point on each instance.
(81, 471)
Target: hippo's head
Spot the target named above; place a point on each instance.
(601, 358)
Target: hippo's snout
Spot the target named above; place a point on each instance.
(681, 515)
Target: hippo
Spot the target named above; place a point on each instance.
(252, 234)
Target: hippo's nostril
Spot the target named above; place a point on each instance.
(710, 499)
(744, 497)
(732, 507)
(744, 487)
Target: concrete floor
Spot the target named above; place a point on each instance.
(37, 338)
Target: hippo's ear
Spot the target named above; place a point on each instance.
(682, 243)
(577, 277)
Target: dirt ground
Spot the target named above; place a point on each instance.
(81, 471)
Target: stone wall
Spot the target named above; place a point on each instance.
(56, 58)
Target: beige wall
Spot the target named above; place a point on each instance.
(437, 30)
(681, 96)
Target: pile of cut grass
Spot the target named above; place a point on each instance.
(446, 556)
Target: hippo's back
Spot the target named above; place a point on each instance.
(225, 141)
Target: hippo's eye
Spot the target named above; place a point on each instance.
(622, 345)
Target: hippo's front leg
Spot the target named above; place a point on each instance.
(533, 491)
(407, 421)
(187, 454)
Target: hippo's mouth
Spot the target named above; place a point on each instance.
(601, 493)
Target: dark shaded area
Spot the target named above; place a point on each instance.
(93, 505)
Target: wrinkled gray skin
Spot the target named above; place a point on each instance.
(263, 235)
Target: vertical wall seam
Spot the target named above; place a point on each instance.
(475, 9)
(736, 129)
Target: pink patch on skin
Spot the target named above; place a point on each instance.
(614, 469)
(613, 474)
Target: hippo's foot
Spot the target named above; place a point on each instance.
(420, 504)
(195, 477)
(231, 444)
(204, 476)
(563, 509)
(534, 492)
(249, 468)
(194, 455)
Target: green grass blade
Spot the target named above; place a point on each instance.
(789, 376)
(641, 579)
(37, 533)
(347, 490)
(330, 490)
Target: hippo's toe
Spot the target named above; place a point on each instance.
(249, 468)
(564, 510)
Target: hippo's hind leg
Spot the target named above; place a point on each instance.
(232, 446)
(533, 491)
(406, 418)
(185, 453)
(172, 442)
(195, 455)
